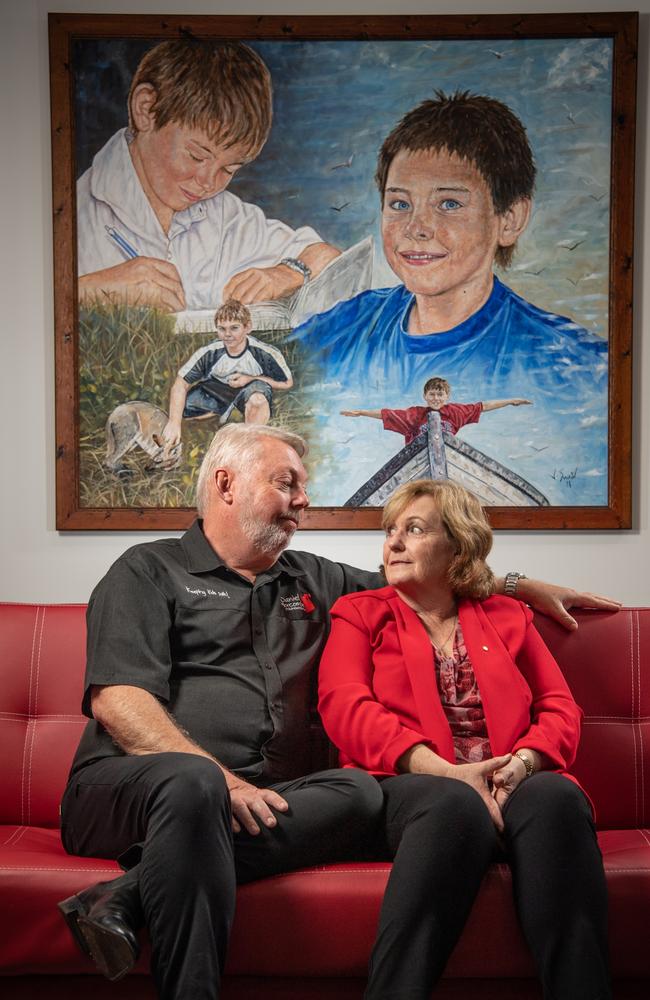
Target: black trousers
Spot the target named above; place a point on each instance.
(167, 818)
(441, 839)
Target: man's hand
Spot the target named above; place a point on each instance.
(262, 284)
(143, 281)
(555, 601)
(521, 402)
(251, 805)
(476, 775)
(140, 725)
(351, 413)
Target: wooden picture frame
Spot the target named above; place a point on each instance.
(608, 39)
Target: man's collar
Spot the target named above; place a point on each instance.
(202, 558)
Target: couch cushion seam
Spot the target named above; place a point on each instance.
(638, 668)
(48, 868)
(35, 711)
(29, 709)
(15, 836)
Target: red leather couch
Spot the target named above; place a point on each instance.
(308, 934)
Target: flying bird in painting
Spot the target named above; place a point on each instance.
(346, 163)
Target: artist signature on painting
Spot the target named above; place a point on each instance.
(565, 477)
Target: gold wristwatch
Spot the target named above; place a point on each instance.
(526, 760)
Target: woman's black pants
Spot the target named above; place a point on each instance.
(167, 818)
(441, 839)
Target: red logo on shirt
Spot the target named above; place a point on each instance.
(307, 603)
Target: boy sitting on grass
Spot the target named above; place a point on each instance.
(236, 371)
(453, 416)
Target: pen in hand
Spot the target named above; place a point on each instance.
(123, 244)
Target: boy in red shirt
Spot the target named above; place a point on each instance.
(436, 392)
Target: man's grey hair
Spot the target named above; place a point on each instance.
(237, 446)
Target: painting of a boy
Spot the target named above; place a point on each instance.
(457, 173)
(155, 223)
(234, 372)
(456, 178)
(436, 392)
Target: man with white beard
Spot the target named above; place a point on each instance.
(193, 771)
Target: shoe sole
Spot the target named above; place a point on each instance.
(112, 955)
(71, 909)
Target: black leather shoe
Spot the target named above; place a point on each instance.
(103, 920)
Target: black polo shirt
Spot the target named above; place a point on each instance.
(232, 661)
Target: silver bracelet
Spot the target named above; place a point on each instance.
(299, 266)
(512, 579)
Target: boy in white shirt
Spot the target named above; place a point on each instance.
(155, 225)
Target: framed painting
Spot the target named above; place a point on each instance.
(408, 239)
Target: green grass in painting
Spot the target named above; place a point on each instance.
(128, 353)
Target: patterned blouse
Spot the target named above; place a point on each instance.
(461, 702)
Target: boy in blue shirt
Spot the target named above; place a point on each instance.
(456, 178)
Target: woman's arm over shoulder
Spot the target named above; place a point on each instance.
(364, 730)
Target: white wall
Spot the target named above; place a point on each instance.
(41, 564)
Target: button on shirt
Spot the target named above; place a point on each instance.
(233, 662)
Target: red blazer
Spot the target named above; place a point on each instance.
(378, 694)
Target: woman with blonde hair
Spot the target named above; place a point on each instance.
(449, 696)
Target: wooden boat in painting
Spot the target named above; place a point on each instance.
(434, 454)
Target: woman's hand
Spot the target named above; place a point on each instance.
(506, 779)
(419, 759)
(477, 775)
